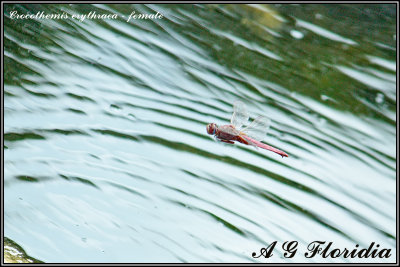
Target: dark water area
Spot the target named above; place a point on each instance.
(106, 155)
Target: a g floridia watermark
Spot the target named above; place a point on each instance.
(325, 250)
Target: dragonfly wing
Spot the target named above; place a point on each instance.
(240, 115)
(229, 130)
(258, 128)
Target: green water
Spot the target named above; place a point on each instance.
(106, 155)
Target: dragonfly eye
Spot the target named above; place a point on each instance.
(211, 128)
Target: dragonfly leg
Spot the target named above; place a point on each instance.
(226, 141)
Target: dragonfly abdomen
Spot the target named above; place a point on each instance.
(265, 146)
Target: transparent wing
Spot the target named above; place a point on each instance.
(240, 115)
(258, 128)
(229, 130)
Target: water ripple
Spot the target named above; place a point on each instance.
(106, 150)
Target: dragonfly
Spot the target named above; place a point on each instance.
(252, 134)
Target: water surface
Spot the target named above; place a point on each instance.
(106, 157)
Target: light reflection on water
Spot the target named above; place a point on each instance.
(106, 154)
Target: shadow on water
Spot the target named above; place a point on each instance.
(106, 155)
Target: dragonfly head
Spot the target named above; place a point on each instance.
(212, 128)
